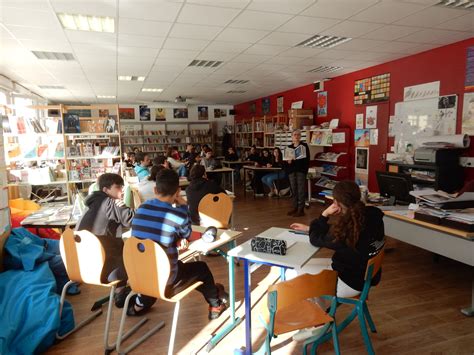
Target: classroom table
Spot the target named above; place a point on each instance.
(297, 256)
(223, 171)
(255, 169)
(229, 163)
(451, 243)
(51, 216)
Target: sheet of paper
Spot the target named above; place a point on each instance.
(360, 121)
(338, 138)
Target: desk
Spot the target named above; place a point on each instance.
(183, 182)
(451, 243)
(57, 216)
(255, 168)
(223, 171)
(296, 257)
(229, 163)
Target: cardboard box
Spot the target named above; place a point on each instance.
(300, 112)
(300, 122)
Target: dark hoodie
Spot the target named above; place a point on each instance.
(350, 263)
(105, 219)
(197, 189)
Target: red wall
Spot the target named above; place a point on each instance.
(445, 64)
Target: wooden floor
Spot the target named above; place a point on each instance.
(415, 307)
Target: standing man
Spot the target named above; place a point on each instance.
(297, 171)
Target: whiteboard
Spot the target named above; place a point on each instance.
(422, 118)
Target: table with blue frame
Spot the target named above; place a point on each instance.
(296, 257)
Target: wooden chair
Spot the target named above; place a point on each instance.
(215, 210)
(289, 307)
(361, 309)
(148, 270)
(84, 257)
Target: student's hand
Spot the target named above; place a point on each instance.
(269, 165)
(256, 164)
(299, 227)
(180, 201)
(331, 210)
(183, 244)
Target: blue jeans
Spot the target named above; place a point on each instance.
(182, 171)
(268, 179)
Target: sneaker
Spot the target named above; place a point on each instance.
(258, 195)
(215, 312)
(133, 309)
(271, 194)
(284, 192)
(119, 297)
(292, 212)
(221, 294)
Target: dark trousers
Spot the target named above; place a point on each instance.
(297, 183)
(188, 274)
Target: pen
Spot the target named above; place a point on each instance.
(297, 232)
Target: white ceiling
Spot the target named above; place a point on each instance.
(255, 39)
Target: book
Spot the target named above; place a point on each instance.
(71, 123)
(289, 154)
(294, 153)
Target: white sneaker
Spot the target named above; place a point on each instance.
(258, 195)
(306, 333)
(271, 194)
(284, 192)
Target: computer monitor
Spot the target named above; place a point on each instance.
(395, 186)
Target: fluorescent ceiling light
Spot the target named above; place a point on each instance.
(87, 23)
(53, 55)
(236, 92)
(131, 78)
(324, 69)
(106, 96)
(457, 4)
(205, 63)
(236, 82)
(151, 90)
(323, 41)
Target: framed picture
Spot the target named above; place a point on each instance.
(145, 114)
(160, 114)
(180, 113)
(280, 104)
(322, 104)
(266, 106)
(203, 113)
(223, 113)
(253, 107)
(127, 113)
(362, 137)
(371, 117)
(217, 113)
(103, 113)
(362, 160)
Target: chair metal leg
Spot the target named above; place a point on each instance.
(369, 319)
(121, 336)
(108, 347)
(365, 333)
(80, 324)
(173, 328)
(335, 338)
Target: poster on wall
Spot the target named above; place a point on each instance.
(374, 137)
(180, 113)
(280, 104)
(322, 104)
(266, 106)
(252, 108)
(362, 160)
(469, 80)
(103, 113)
(297, 105)
(468, 114)
(362, 179)
(217, 113)
(422, 91)
(203, 113)
(371, 117)
(391, 126)
(127, 113)
(362, 137)
(223, 113)
(359, 121)
(145, 114)
(447, 111)
(160, 114)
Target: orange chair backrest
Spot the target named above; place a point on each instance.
(83, 256)
(305, 286)
(215, 210)
(147, 266)
(376, 261)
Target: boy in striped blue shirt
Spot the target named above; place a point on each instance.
(170, 226)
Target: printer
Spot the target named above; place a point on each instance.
(437, 156)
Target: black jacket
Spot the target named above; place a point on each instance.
(231, 157)
(197, 189)
(299, 165)
(105, 219)
(348, 262)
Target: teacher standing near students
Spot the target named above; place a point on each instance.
(297, 171)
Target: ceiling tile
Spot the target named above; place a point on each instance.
(265, 49)
(351, 29)
(394, 47)
(227, 47)
(302, 52)
(241, 35)
(156, 10)
(259, 20)
(463, 23)
(387, 12)
(284, 39)
(308, 25)
(284, 60)
(391, 32)
(188, 55)
(432, 17)
(201, 15)
(334, 54)
(32, 18)
(94, 48)
(91, 37)
(181, 30)
(236, 4)
(359, 44)
(26, 4)
(433, 36)
(217, 55)
(281, 6)
(185, 43)
(47, 45)
(96, 8)
(140, 41)
(137, 51)
(339, 9)
(144, 28)
(251, 58)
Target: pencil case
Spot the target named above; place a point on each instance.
(269, 246)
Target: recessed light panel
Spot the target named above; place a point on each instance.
(324, 69)
(87, 23)
(205, 63)
(106, 96)
(323, 41)
(151, 90)
(53, 56)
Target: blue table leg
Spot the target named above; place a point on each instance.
(282, 274)
(248, 309)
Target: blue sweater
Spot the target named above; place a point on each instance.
(164, 224)
(142, 172)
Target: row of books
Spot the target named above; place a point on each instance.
(42, 148)
(326, 183)
(329, 156)
(332, 169)
(27, 125)
(90, 149)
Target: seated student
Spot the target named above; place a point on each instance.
(254, 157)
(199, 187)
(160, 160)
(356, 235)
(190, 157)
(170, 226)
(106, 216)
(143, 163)
(231, 155)
(129, 159)
(204, 150)
(265, 161)
(146, 188)
(269, 178)
(210, 163)
(174, 163)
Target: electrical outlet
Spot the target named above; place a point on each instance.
(467, 162)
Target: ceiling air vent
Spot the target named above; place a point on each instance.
(53, 55)
(324, 69)
(205, 63)
(457, 4)
(323, 41)
(51, 87)
(236, 91)
(236, 82)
